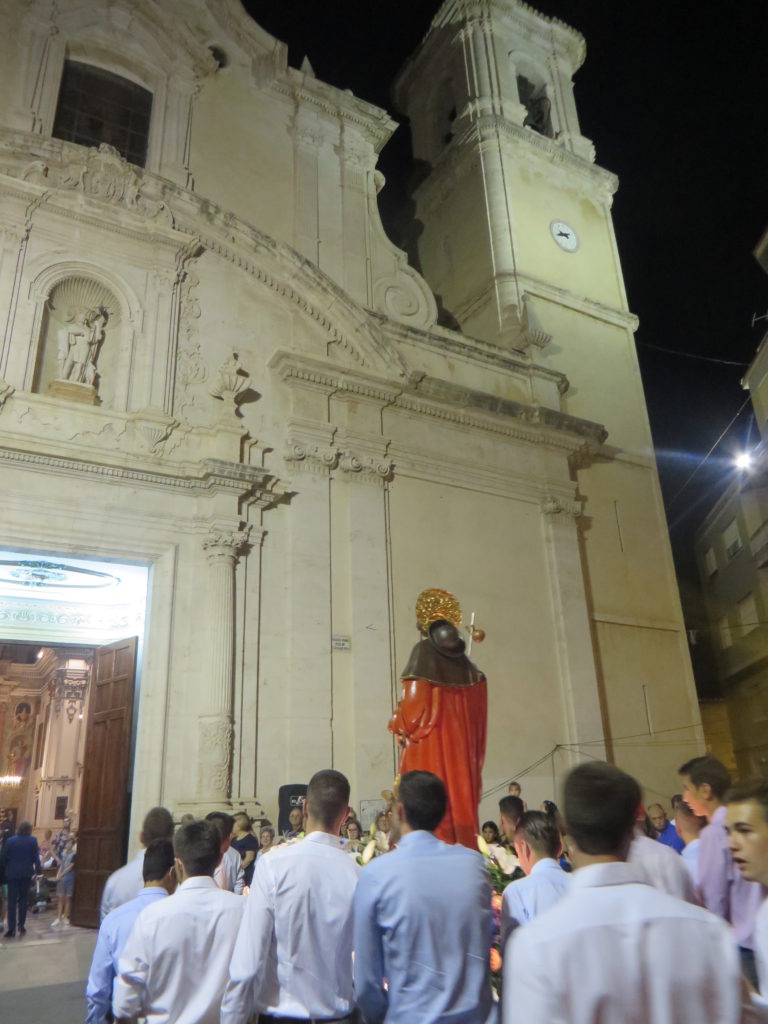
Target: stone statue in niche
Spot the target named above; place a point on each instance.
(79, 343)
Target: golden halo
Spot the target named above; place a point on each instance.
(436, 604)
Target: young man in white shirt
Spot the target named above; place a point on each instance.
(293, 955)
(747, 824)
(229, 874)
(689, 827)
(126, 883)
(175, 964)
(611, 949)
(159, 882)
(538, 845)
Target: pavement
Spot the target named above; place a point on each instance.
(43, 973)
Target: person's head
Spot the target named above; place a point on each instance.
(491, 832)
(224, 823)
(511, 810)
(514, 789)
(157, 824)
(198, 849)
(643, 826)
(266, 837)
(296, 819)
(187, 819)
(382, 821)
(705, 783)
(747, 824)
(67, 824)
(658, 817)
(242, 824)
(421, 802)
(675, 801)
(158, 870)
(24, 829)
(537, 837)
(600, 804)
(687, 824)
(353, 830)
(48, 834)
(327, 801)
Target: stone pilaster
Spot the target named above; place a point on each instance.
(581, 710)
(214, 768)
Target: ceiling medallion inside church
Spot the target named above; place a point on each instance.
(53, 574)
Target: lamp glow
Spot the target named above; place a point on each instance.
(743, 461)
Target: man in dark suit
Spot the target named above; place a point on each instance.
(20, 860)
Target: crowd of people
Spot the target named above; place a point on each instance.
(29, 870)
(607, 911)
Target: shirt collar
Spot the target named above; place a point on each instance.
(151, 893)
(420, 837)
(718, 818)
(595, 876)
(545, 864)
(198, 882)
(323, 838)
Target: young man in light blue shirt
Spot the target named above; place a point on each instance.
(159, 882)
(538, 845)
(423, 921)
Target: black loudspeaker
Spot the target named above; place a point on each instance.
(287, 798)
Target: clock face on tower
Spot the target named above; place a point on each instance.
(564, 235)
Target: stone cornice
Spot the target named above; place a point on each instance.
(453, 403)
(459, 155)
(206, 477)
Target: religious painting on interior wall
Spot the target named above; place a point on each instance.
(22, 715)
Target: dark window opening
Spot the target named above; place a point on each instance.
(60, 811)
(97, 106)
(538, 107)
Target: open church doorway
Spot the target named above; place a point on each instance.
(71, 632)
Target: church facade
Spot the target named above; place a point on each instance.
(213, 362)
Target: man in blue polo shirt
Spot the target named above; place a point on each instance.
(159, 882)
(667, 831)
(538, 845)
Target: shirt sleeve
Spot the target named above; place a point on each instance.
(714, 871)
(369, 953)
(98, 991)
(252, 948)
(106, 900)
(131, 982)
(240, 880)
(512, 912)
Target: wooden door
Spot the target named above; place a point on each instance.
(102, 832)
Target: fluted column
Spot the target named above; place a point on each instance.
(214, 766)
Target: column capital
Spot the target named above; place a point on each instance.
(555, 505)
(225, 543)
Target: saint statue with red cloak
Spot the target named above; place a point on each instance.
(441, 720)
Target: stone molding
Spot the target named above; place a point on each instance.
(6, 392)
(210, 476)
(441, 399)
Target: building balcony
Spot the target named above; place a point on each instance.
(759, 545)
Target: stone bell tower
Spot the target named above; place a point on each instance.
(513, 232)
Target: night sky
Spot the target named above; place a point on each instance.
(676, 103)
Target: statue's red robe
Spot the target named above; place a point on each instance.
(443, 729)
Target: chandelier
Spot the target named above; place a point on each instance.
(10, 781)
(68, 691)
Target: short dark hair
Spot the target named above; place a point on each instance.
(198, 847)
(540, 831)
(158, 860)
(327, 796)
(676, 799)
(600, 806)
(158, 824)
(424, 800)
(512, 807)
(224, 823)
(493, 825)
(24, 829)
(707, 769)
(267, 828)
(756, 790)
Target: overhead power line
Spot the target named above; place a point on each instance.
(691, 355)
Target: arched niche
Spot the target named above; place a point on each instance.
(83, 334)
(535, 93)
